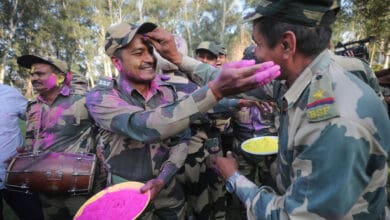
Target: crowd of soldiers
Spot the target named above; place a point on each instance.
(177, 124)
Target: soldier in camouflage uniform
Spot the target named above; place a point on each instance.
(326, 114)
(167, 120)
(207, 52)
(313, 131)
(130, 155)
(57, 121)
(204, 188)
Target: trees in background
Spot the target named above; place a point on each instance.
(74, 30)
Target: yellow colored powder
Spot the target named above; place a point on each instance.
(261, 145)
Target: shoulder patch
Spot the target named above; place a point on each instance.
(105, 83)
(320, 105)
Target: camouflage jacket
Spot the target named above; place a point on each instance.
(134, 150)
(333, 144)
(206, 129)
(63, 126)
(361, 69)
(249, 122)
(215, 117)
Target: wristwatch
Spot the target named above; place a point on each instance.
(231, 182)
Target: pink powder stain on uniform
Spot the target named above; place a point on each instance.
(53, 116)
(124, 204)
(48, 140)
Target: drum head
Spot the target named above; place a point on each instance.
(120, 201)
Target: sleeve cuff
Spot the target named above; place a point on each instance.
(168, 171)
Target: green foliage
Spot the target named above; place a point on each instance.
(74, 30)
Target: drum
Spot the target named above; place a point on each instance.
(51, 172)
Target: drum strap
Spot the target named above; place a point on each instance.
(37, 131)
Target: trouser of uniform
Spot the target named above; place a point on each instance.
(169, 204)
(205, 191)
(25, 206)
(58, 207)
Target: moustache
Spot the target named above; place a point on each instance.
(147, 65)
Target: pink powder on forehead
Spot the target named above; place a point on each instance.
(124, 204)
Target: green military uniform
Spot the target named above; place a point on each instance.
(331, 110)
(360, 69)
(204, 188)
(140, 137)
(331, 125)
(131, 156)
(209, 46)
(331, 122)
(63, 126)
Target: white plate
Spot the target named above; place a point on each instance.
(259, 150)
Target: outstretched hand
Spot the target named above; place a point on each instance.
(234, 78)
(241, 76)
(154, 185)
(164, 43)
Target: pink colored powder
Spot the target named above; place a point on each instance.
(48, 139)
(50, 82)
(123, 204)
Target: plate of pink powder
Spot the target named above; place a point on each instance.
(120, 201)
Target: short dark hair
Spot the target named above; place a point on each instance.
(310, 40)
(118, 53)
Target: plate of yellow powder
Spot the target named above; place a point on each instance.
(266, 145)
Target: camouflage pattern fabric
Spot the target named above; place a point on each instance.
(308, 13)
(61, 207)
(120, 34)
(209, 46)
(204, 189)
(327, 117)
(361, 69)
(128, 152)
(329, 114)
(28, 60)
(249, 123)
(63, 126)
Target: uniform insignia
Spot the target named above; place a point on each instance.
(320, 104)
(105, 82)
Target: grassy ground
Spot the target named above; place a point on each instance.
(8, 213)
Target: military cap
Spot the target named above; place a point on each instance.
(28, 60)
(307, 13)
(222, 50)
(120, 34)
(209, 46)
